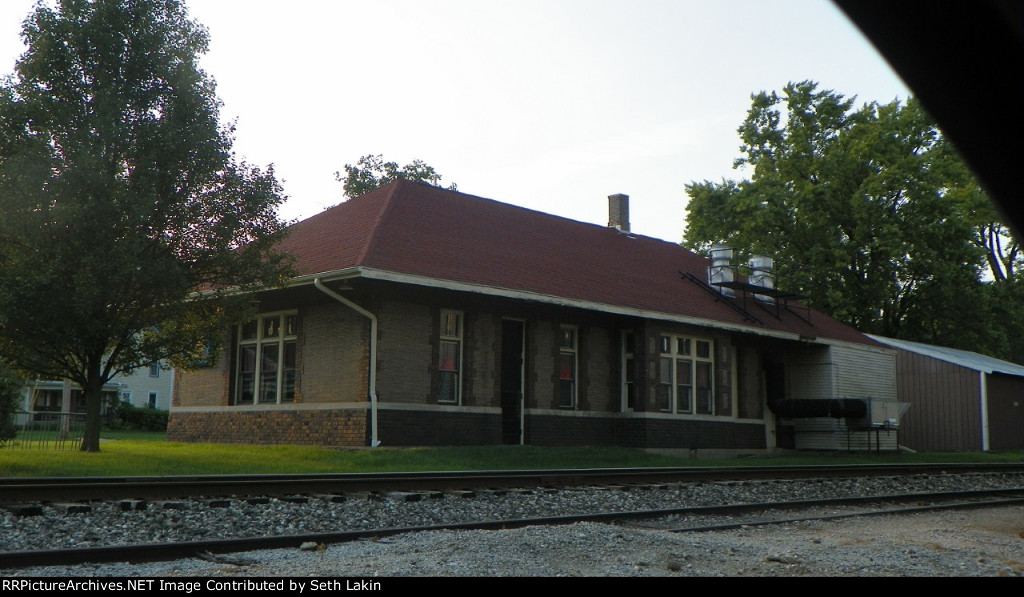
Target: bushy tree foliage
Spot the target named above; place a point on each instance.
(371, 171)
(870, 212)
(121, 198)
(10, 402)
(126, 417)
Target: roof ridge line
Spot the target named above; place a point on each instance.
(381, 215)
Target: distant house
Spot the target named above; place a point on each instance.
(147, 387)
(423, 316)
(959, 400)
(44, 400)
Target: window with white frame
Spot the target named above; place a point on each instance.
(152, 400)
(568, 362)
(266, 368)
(685, 375)
(449, 358)
(154, 369)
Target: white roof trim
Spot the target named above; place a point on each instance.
(389, 276)
(964, 358)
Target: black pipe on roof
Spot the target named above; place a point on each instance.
(836, 408)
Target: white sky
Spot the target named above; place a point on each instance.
(548, 104)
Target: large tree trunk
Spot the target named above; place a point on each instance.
(93, 401)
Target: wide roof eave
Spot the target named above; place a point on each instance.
(456, 285)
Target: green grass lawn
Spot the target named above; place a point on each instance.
(149, 454)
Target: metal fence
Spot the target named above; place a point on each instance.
(40, 430)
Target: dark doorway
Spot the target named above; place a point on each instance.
(775, 390)
(512, 359)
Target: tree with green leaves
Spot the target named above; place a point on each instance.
(11, 385)
(372, 171)
(129, 232)
(1004, 260)
(867, 210)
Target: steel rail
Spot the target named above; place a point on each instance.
(208, 549)
(984, 503)
(21, 490)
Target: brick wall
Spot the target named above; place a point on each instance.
(638, 432)
(333, 355)
(404, 345)
(300, 427)
(438, 428)
(407, 354)
(750, 393)
(553, 430)
(483, 356)
(542, 356)
(598, 371)
(333, 369)
(702, 434)
(204, 386)
(723, 376)
(333, 362)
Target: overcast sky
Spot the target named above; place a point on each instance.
(548, 104)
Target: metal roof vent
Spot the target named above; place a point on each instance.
(762, 275)
(721, 270)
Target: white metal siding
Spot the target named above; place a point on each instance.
(842, 371)
(823, 433)
(864, 372)
(809, 374)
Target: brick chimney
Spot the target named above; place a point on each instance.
(618, 212)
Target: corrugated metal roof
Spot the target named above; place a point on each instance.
(964, 358)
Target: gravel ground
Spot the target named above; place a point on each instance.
(983, 542)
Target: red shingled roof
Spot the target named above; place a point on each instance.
(419, 230)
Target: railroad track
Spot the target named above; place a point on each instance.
(720, 518)
(53, 489)
(697, 519)
(686, 519)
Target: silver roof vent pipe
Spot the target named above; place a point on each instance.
(721, 270)
(762, 274)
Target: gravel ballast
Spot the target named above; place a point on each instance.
(984, 542)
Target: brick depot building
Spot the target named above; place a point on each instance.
(422, 316)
